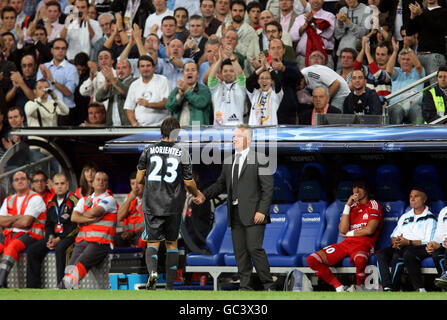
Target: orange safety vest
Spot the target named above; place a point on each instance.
(37, 229)
(101, 231)
(135, 220)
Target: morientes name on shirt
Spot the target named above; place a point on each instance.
(166, 150)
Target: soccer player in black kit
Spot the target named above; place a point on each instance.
(165, 169)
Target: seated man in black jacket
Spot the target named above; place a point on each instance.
(320, 101)
(361, 100)
(434, 100)
(60, 233)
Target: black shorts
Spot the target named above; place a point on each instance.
(157, 228)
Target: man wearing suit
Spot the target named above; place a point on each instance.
(195, 45)
(250, 192)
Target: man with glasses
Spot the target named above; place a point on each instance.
(62, 76)
(22, 216)
(39, 184)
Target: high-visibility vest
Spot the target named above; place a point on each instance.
(101, 231)
(439, 102)
(135, 220)
(37, 229)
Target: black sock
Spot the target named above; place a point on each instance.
(171, 267)
(151, 259)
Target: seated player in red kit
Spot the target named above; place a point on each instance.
(360, 223)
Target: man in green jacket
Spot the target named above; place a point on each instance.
(190, 101)
(115, 90)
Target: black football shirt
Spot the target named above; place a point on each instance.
(167, 164)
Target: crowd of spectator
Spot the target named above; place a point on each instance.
(204, 61)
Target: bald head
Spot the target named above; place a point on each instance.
(265, 17)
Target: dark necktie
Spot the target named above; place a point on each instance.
(234, 193)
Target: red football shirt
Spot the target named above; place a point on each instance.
(361, 214)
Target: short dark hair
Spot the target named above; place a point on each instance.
(182, 9)
(145, 58)
(81, 59)
(59, 39)
(254, 4)
(133, 175)
(442, 69)
(107, 50)
(273, 23)
(226, 62)
(37, 172)
(351, 50)
(168, 126)
(8, 9)
(41, 27)
(54, 3)
(213, 1)
(420, 188)
(9, 33)
(96, 104)
(239, 2)
(168, 18)
(15, 108)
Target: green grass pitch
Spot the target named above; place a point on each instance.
(44, 294)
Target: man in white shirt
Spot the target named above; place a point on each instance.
(155, 18)
(22, 216)
(228, 96)
(414, 230)
(96, 80)
(43, 112)
(147, 96)
(321, 76)
(437, 246)
(76, 28)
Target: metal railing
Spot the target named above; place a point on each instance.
(388, 98)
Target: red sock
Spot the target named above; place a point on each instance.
(360, 262)
(322, 271)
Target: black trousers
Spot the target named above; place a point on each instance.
(248, 251)
(439, 257)
(409, 257)
(35, 255)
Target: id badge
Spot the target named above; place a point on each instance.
(59, 228)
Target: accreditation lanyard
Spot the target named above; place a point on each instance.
(59, 226)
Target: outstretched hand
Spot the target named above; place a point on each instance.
(199, 198)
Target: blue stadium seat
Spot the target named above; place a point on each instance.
(218, 242)
(389, 191)
(331, 232)
(426, 173)
(437, 206)
(306, 222)
(273, 234)
(283, 190)
(316, 165)
(311, 191)
(354, 171)
(388, 172)
(344, 190)
(388, 183)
